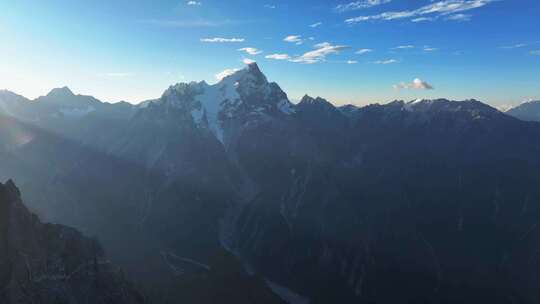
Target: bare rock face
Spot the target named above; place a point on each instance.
(46, 263)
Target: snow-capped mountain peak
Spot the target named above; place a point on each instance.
(244, 93)
(472, 109)
(251, 74)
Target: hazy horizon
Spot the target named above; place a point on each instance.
(293, 100)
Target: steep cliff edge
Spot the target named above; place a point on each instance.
(47, 263)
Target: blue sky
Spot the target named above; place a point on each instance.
(133, 50)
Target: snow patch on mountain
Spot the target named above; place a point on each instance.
(210, 103)
(286, 107)
(411, 106)
(245, 91)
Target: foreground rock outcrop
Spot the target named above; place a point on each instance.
(47, 263)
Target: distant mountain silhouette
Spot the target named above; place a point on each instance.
(529, 111)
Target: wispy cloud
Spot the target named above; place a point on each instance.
(248, 61)
(297, 39)
(319, 54)
(270, 6)
(535, 53)
(250, 50)
(423, 19)
(434, 10)
(317, 24)
(515, 46)
(278, 56)
(356, 5)
(430, 49)
(404, 47)
(194, 3)
(417, 84)
(363, 51)
(459, 17)
(387, 61)
(222, 40)
(352, 62)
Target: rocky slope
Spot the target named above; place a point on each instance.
(46, 263)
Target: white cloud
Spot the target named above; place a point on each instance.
(248, 61)
(227, 72)
(363, 51)
(222, 40)
(404, 47)
(535, 53)
(383, 16)
(194, 3)
(387, 61)
(423, 19)
(448, 7)
(356, 5)
(250, 50)
(439, 8)
(294, 39)
(278, 57)
(430, 49)
(515, 46)
(317, 24)
(352, 62)
(417, 84)
(270, 6)
(459, 17)
(319, 54)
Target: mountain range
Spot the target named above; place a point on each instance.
(529, 111)
(232, 192)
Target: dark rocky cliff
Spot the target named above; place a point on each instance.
(47, 263)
